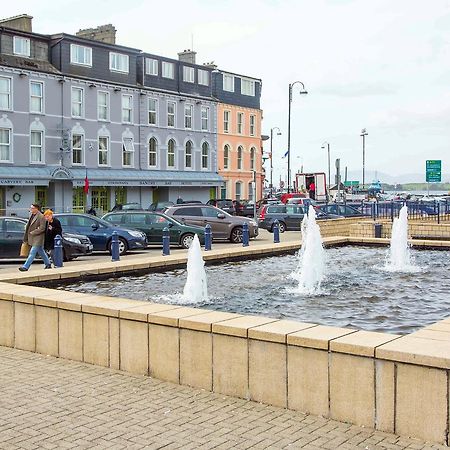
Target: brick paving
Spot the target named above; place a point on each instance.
(51, 403)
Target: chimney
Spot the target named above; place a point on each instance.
(23, 22)
(210, 65)
(187, 56)
(103, 33)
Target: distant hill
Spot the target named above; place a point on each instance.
(372, 175)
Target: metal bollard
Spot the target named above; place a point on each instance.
(208, 237)
(276, 232)
(58, 252)
(245, 235)
(115, 247)
(166, 242)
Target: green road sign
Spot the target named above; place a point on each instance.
(433, 171)
(351, 183)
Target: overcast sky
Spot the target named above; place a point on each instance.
(383, 65)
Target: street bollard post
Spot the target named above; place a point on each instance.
(208, 237)
(115, 247)
(245, 235)
(58, 252)
(276, 232)
(166, 242)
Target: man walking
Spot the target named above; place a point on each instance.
(53, 229)
(34, 236)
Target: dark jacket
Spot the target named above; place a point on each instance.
(51, 231)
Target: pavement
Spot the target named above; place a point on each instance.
(51, 403)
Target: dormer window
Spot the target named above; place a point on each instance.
(21, 46)
(228, 83)
(118, 62)
(188, 74)
(247, 87)
(80, 55)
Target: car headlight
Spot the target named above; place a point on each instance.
(72, 239)
(136, 234)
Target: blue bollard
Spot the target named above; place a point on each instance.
(276, 232)
(115, 247)
(58, 252)
(208, 237)
(245, 235)
(166, 242)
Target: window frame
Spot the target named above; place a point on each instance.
(117, 57)
(252, 84)
(107, 151)
(186, 154)
(224, 83)
(202, 119)
(203, 77)
(81, 148)
(41, 97)
(188, 107)
(240, 152)
(106, 106)
(73, 53)
(171, 153)
(81, 103)
(188, 74)
(240, 123)
(174, 114)
(8, 93)
(129, 109)
(227, 121)
(252, 124)
(27, 40)
(151, 62)
(34, 146)
(9, 145)
(226, 156)
(127, 152)
(236, 195)
(151, 111)
(155, 152)
(205, 157)
(252, 158)
(166, 64)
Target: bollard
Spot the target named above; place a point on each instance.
(166, 242)
(245, 235)
(276, 232)
(115, 247)
(208, 237)
(58, 252)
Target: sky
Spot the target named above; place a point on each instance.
(382, 65)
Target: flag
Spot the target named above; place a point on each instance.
(86, 184)
(287, 153)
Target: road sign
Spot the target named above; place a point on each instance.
(351, 183)
(433, 170)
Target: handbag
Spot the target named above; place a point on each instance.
(25, 249)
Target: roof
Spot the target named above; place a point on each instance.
(27, 63)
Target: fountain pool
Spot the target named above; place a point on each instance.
(355, 292)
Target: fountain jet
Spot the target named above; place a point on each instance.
(195, 290)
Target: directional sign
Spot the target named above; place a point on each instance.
(351, 183)
(433, 171)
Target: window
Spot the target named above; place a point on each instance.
(80, 55)
(118, 62)
(247, 87)
(170, 114)
(240, 122)
(77, 102)
(188, 116)
(205, 155)
(5, 93)
(226, 156)
(188, 155)
(238, 190)
(103, 105)
(239, 157)
(103, 150)
(5, 145)
(171, 153)
(127, 152)
(188, 211)
(36, 97)
(250, 190)
(37, 155)
(188, 74)
(152, 149)
(21, 46)
(205, 118)
(151, 66)
(252, 125)
(226, 121)
(77, 149)
(152, 117)
(167, 70)
(228, 83)
(203, 77)
(127, 108)
(252, 158)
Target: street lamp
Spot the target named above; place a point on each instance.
(363, 134)
(302, 91)
(329, 170)
(271, 156)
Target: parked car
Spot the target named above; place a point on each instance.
(223, 225)
(127, 207)
(247, 208)
(225, 204)
(341, 210)
(12, 230)
(160, 206)
(100, 232)
(301, 201)
(153, 224)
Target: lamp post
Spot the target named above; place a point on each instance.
(271, 156)
(364, 133)
(303, 91)
(329, 170)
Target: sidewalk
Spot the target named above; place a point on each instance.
(48, 403)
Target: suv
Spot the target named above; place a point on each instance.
(289, 217)
(224, 204)
(223, 225)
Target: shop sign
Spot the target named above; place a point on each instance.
(18, 182)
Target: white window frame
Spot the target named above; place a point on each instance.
(41, 97)
(240, 123)
(155, 152)
(204, 118)
(240, 154)
(188, 74)
(203, 77)
(226, 121)
(165, 73)
(8, 144)
(226, 80)
(81, 103)
(108, 145)
(250, 190)
(226, 156)
(27, 42)
(203, 156)
(87, 55)
(236, 195)
(174, 154)
(155, 111)
(106, 106)
(7, 93)
(128, 109)
(80, 148)
(170, 114)
(114, 59)
(252, 158)
(252, 125)
(151, 67)
(42, 147)
(249, 88)
(128, 150)
(188, 117)
(186, 166)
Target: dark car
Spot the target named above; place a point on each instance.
(100, 232)
(160, 206)
(12, 230)
(223, 225)
(153, 224)
(247, 208)
(128, 207)
(341, 210)
(225, 204)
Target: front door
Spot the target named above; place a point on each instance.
(41, 196)
(100, 200)
(79, 200)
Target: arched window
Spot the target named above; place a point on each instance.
(205, 155)
(188, 155)
(152, 152)
(252, 158)
(171, 153)
(238, 190)
(250, 190)
(239, 157)
(226, 156)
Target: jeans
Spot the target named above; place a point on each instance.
(36, 249)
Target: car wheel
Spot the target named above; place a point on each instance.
(236, 235)
(282, 227)
(186, 240)
(123, 246)
(66, 257)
